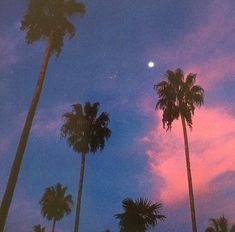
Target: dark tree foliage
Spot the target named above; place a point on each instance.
(219, 225)
(139, 215)
(178, 96)
(85, 132)
(54, 203)
(46, 17)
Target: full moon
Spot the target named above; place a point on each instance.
(151, 64)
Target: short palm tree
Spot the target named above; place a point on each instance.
(44, 19)
(139, 216)
(178, 97)
(55, 204)
(219, 225)
(38, 228)
(86, 133)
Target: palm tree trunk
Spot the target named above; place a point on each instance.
(190, 185)
(53, 225)
(7, 198)
(79, 197)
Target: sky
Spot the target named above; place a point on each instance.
(107, 61)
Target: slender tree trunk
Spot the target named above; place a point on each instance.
(7, 198)
(190, 185)
(53, 225)
(79, 197)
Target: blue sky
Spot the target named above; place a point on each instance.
(107, 62)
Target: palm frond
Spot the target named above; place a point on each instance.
(46, 17)
(177, 96)
(84, 130)
(54, 203)
(190, 79)
(139, 215)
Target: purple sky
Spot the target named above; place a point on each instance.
(107, 61)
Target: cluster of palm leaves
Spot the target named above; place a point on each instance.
(220, 225)
(85, 131)
(55, 204)
(139, 216)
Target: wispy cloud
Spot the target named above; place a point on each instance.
(7, 51)
(208, 50)
(4, 144)
(48, 121)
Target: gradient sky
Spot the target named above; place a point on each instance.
(107, 62)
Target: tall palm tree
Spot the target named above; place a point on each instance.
(55, 204)
(219, 225)
(44, 19)
(38, 228)
(85, 133)
(178, 97)
(139, 215)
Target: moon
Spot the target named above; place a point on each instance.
(151, 64)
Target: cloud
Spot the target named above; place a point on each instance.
(8, 51)
(48, 121)
(211, 141)
(5, 144)
(208, 50)
(27, 211)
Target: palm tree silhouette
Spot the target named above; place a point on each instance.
(139, 215)
(219, 225)
(43, 20)
(178, 97)
(38, 228)
(85, 133)
(55, 204)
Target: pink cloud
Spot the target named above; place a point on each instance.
(212, 143)
(208, 50)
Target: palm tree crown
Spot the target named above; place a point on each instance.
(44, 17)
(139, 215)
(54, 203)
(220, 225)
(178, 96)
(85, 131)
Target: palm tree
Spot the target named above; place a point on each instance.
(38, 228)
(45, 19)
(219, 225)
(85, 133)
(178, 97)
(55, 204)
(139, 216)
